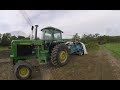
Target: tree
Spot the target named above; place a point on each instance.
(5, 41)
(13, 38)
(97, 35)
(89, 38)
(76, 37)
(21, 37)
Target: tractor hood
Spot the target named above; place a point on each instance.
(27, 42)
(22, 48)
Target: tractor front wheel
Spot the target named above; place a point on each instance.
(23, 70)
(59, 55)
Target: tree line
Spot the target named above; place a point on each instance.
(100, 39)
(93, 41)
(95, 38)
(6, 38)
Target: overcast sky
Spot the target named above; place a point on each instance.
(69, 21)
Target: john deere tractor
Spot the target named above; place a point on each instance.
(50, 48)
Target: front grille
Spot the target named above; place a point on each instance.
(25, 50)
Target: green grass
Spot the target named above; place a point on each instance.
(3, 48)
(114, 48)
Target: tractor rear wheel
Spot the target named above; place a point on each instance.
(23, 70)
(59, 55)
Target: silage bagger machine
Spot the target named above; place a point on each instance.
(50, 48)
(75, 48)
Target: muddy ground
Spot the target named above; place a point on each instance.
(97, 65)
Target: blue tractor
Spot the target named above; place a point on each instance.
(76, 48)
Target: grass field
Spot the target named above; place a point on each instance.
(114, 48)
(3, 48)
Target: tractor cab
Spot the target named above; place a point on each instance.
(51, 36)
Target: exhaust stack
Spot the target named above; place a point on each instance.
(36, 32)
(32, 32)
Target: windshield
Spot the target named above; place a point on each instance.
(47, 35)
(51, 35)
(57, 35)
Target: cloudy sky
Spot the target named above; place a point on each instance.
(69, 21)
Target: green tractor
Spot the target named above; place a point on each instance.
(51, 48)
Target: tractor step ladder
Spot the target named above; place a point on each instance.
(43, 56)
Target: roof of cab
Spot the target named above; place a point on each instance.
(49, 27)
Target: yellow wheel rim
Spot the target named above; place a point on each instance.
(24, 72)
(63, 56)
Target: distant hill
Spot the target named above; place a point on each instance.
(18, 33)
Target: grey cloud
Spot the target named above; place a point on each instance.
(70, 21)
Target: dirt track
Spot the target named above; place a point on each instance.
(100, 65)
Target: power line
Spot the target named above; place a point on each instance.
(26, 17)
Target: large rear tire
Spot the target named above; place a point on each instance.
(23, 70)
(59, 55)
